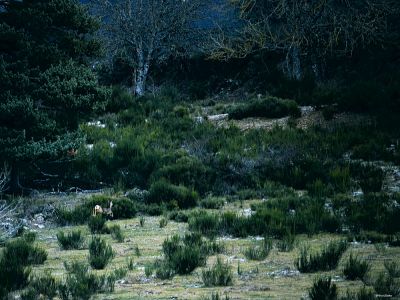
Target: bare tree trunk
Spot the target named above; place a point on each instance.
(291, 67)
(140, 80)
(142, 71)
(296, 64)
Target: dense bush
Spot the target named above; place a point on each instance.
(178, 216)
(43, 286)
(268, 107)
(205, 223)
(355, 268)
(82, 284)
(15, 261)
(287, 242)
(71, 240)
(325, 260)
(100, 254)
(116, 233)
(188, 171)
(122, 208)
(220, 274)
(323, 289)
(183, 255)
(387, 285)
(370, 177)
(212, 203)
(164, 192)
(392, 268)
(97, 224)
(361, 294)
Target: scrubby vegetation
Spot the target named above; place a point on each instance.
(220, 274)
(71, 240)
(100, 253)
(273, 150)
(325, 260)
(355, 268)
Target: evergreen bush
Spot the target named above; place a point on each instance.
(71, 240)
(355, 268)
(100, 253)
(220, 274)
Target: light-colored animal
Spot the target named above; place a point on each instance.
(98, 210)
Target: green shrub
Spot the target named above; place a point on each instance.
(100, 254)
(220, 274)
(15, 261)
(205, 223)
(326, 260)
(120, 99)
(116, 233)
(212, 203)
(163, 222)
(387, 285)
(178, 216)
(259, 252)
(164, 192)
(44, 285)
(123, 208)
(183, 255)
(370, 177)
(341, 179)
(71, 240)
(97, 224)
(187, 171)
(355, 268)
(392, 268)
(323, 289)
(286, 243)
(164, 270)
(268, 107)
(82, 284)
(361, 294)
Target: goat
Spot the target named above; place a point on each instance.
(98, 210)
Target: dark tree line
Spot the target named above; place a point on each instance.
(46, 84)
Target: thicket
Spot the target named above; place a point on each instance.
(71, 240)
(100, 253)
(355, 268)
(220, 274)
(267, 107)
(183, 254)
(325, 260)
(122, 208)
(16, 260)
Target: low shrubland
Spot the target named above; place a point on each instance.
(325, 260)
(355, 268)
(268, 107)
(323, 289)
(16, 260)
(122, 208)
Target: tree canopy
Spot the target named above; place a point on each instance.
(46, 84)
